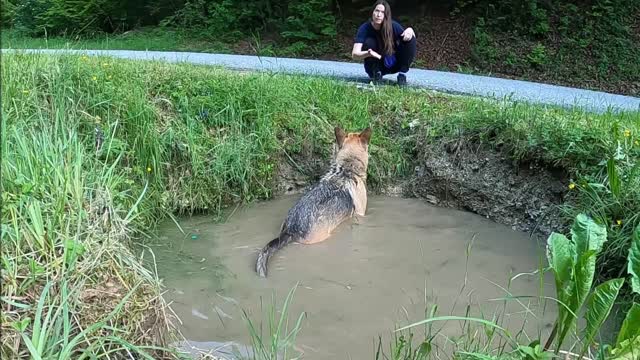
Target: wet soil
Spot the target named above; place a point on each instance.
(485, 181)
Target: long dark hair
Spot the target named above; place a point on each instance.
(387, 27)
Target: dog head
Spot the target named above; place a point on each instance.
(353, 145)
(353, 140)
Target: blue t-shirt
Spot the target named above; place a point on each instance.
(366, 30)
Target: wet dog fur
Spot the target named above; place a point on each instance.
(340, 193)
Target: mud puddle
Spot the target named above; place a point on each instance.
(366, 280)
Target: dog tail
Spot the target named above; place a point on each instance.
(269, 249)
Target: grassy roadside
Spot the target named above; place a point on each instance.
(159, 39)
(97, 150)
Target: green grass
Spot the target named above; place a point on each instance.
(155, 38)
(149, 38)
(96, 151)
(281, 339)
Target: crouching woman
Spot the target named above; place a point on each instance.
(385, 46)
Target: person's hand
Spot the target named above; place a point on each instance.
(407, 34)
(374, 54)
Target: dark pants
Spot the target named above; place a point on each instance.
(405, 53)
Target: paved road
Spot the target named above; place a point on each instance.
(436, 80)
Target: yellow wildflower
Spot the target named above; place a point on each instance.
(572, 186)
(148, 169)
(627, 133)
(637, 143)
(94, 78)
(619, 222)
(25, 91)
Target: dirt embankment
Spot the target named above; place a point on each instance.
(472, 177)
(485, 181)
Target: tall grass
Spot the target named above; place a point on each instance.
(67, 211)
(96, 150)
(280, 338)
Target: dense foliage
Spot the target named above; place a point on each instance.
(570, 38)
(297, 19)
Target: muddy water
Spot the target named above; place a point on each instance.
(368, 279)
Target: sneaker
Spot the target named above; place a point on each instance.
(402, 80)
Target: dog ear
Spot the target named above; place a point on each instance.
(340, 135)
(365, 135)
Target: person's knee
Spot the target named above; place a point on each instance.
(413, 41)
(410, 45)
(407, 50)
(370, 43)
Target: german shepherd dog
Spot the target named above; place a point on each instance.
(341, 192)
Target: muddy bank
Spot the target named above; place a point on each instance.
(485, 181)
(467, 176)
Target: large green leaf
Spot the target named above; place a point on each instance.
(561, 257)
(583, 278)
(599, 306)
(630, 326)
(584, 273)
(587, 235)
(633, 263)
(627, 350)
